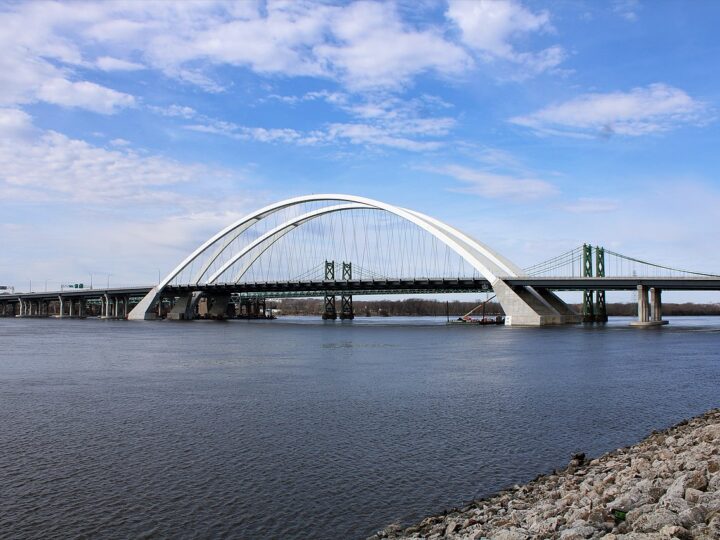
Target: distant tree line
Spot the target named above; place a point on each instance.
(388, 308)
(423, 307)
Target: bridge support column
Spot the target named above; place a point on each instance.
(643, 305)
(218, 306)
(184, 307)
(529, 306)
(329, 313)
(600, 306)
(346, 307)
(588, 305)
(61, 301)
(649, 312)
(656, 306)
(346, 300)
(148, 308)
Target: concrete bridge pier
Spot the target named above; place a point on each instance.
(218, 306)
(121, 307)
(532, 306)
(656, 306)
(649, 311)
(26, 308)
(184, 307)
(113, 307)
(10, 309)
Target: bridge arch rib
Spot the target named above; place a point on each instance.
(521, 307)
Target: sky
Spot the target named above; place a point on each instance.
(132, 131)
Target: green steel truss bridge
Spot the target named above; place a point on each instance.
(342, 246)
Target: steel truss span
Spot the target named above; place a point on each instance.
(230, 255)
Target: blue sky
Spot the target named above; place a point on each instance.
(132, 131)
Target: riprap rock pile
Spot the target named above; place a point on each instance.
(667, 486)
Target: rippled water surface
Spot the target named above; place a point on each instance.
(303, 429)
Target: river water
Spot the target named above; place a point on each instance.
(297, 428)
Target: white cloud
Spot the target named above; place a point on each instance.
(85, 95)
(627, 9)
(180, 111)
(377, 120)
(493, 185)
(184, 40)
(15, 123)
(40, 165)
(363, 45)
(38, 60)
(489, 27)
(373, 48)
(381, 125)
(346, 43)
(265, 135)
(108, 63)
(368, 135)
(146, 211)
(652, 109)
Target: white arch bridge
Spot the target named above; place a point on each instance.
(284, 248)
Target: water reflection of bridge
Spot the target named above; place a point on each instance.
(288, 249)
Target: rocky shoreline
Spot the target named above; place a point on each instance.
(666, 486)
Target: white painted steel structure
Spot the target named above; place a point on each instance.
(522, 305)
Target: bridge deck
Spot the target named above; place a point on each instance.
(618, 283)
(390, 286)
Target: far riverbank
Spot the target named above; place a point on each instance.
(422, 307)
(666, 486)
